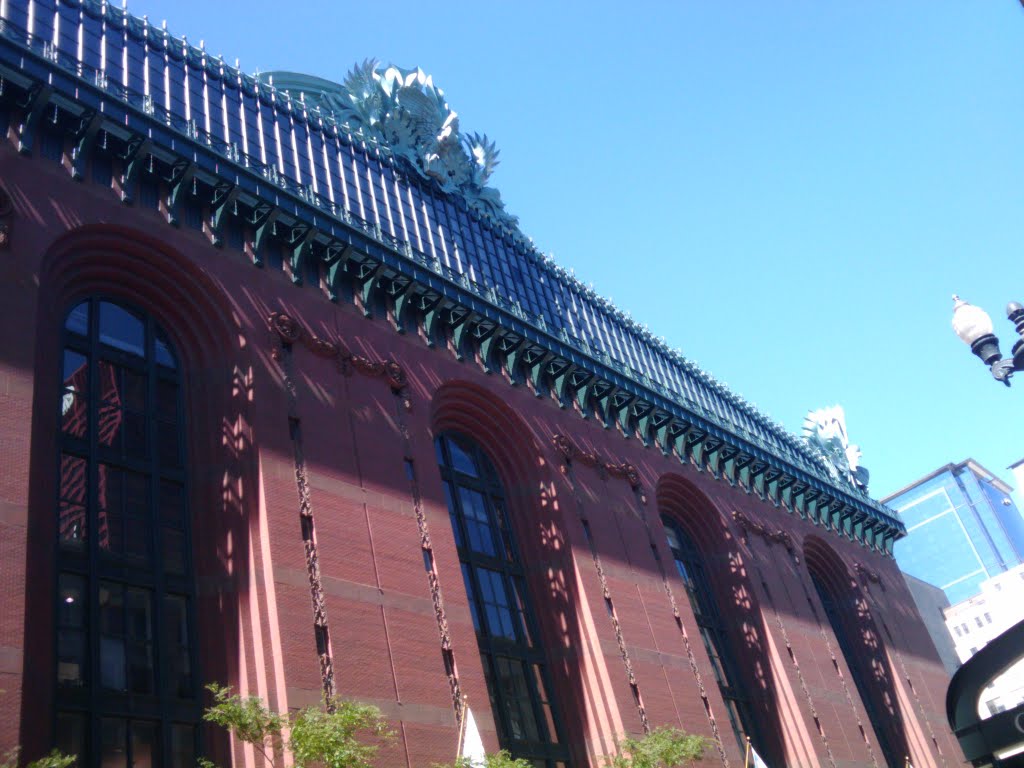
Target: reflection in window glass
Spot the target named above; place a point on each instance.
(121, 329)
(78, 319)
(71, 630)
(122, 511)
(74, 394)
(72, 522)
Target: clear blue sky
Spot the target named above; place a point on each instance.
(789, 192)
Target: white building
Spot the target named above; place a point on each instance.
(977, 620)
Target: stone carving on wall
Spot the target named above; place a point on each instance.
(867, 574)
(403, 110)
(290, 332)
(778, 536)
(825, 433)
(572, 452)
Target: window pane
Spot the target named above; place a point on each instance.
(138, 617)
(168, 448)
(512, 683)
(470, 592)
(143, 744)
(452, 513)
(179, 667)
(112, 650)
(164, 355)
(461, 460)
(183, 746)
(78, 319)
(114, 737)
(71, 515)
(110, 519)
(70, 657)
(478, 527)
(71, 735)
(172, 503)
(113, 741)
(121, 329)
(498, 507)
(173, 551)
(140, 638)
(542, 696)
(133, 389)
(74, 396)
(71, 608)
(167, 400)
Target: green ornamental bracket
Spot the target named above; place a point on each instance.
(496, 348)
(695, 448)
(179, 184)
(368, 274)
(337, 258)
(301, 244)
(622, 411)
(537, 368)
(224, 202)
(34, 107)
(463, 331)
(263, 223)
(713, 456)
(566, 385)
(133, 161)
(84, 140)
(604, 405)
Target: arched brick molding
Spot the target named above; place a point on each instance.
(525, 472)
(742, 632)
(843, 612)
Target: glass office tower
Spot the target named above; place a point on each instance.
(962, 528)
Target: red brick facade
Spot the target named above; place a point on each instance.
(620, 637)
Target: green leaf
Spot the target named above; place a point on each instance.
(664, 747)
(247, 718)
(337, 736)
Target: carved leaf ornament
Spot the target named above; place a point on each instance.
(405, 111)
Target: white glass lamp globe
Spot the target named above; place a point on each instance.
(970, 322)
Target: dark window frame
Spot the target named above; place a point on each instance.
(690, 566)
(89, 703)
(497, 648)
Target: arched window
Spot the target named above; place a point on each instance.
(690, 565)
(513, 661)
(869, 695)
(127, 693)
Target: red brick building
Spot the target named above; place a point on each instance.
(288, 402)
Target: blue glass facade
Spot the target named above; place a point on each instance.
(962, 528)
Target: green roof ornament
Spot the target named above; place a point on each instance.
(825, 433)
(403, 110)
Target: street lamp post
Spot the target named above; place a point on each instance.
(974, 326)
